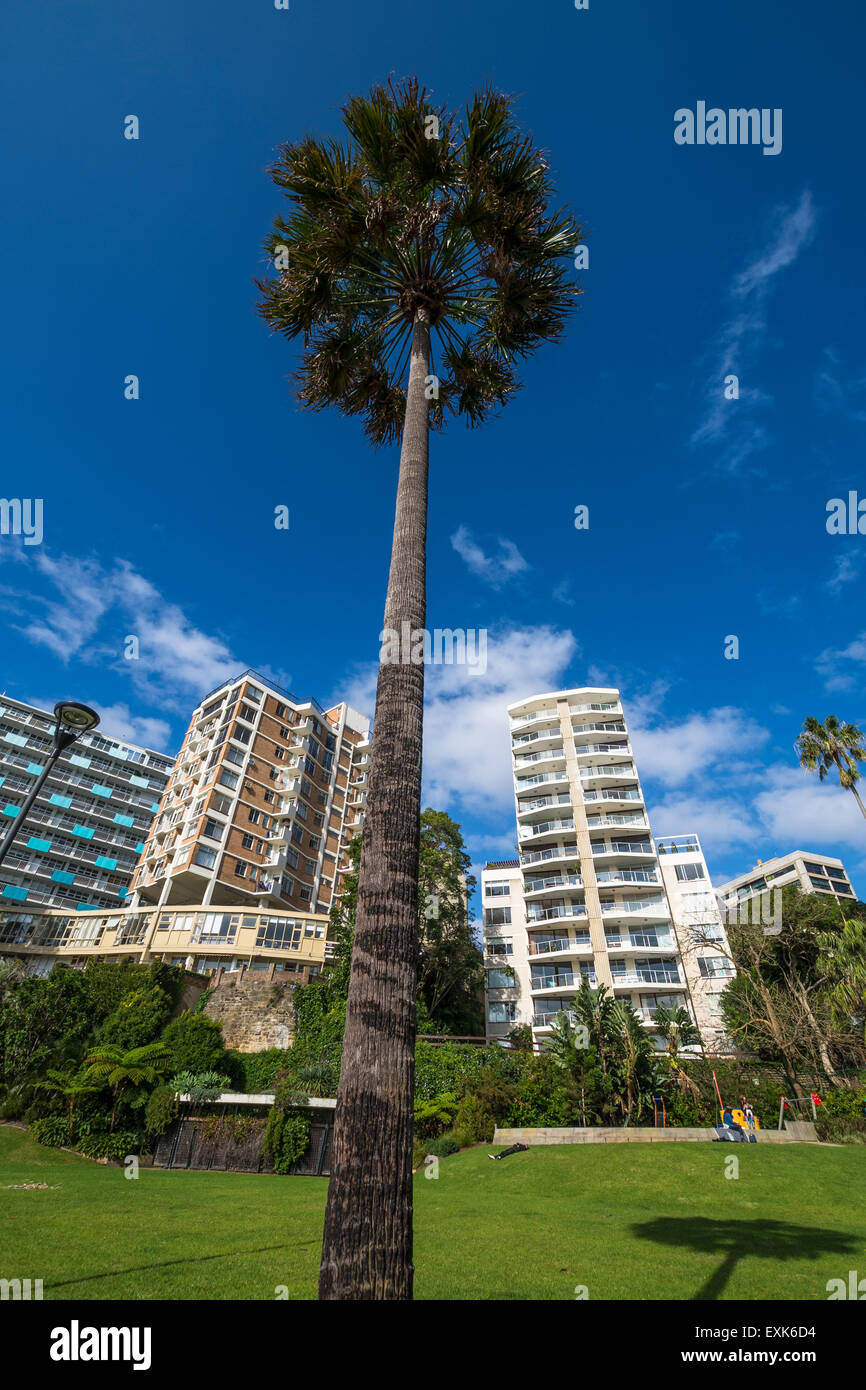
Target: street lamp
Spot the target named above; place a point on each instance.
(71, 720)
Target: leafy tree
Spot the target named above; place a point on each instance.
(43, 1021)
(425, 244)
(138, 1019)
(195, 1043)
(678, 1031)
(127, 1073)
(450, 965)
(833, 747)
(69, 1088)
(634, 1069)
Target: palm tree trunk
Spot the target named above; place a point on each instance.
(859, 801)
(367, 1246)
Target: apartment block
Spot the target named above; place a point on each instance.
(699, 928)
(81, 840)
(813, 873)
(266, 793)
(198, 939)
(585, 899)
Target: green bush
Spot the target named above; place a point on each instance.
(256, 1072)
(105, 1145)
(52, 1132)
(196, 1044)
(844, 1100)
(443, 1146)
(463, 1138)
(435, 1115)
(840, 1129)
(160, 1111)
(475, 1119)
(419, 1153)
(138, 1019)
(287, 1138)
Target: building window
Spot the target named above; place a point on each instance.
(497, 916)
(500, 946)
(713, 967)
(246, 842)
(229, 779)
(240, 869)
(499, 979)
(280, 711)
(497, 890)
(205, 858)
(255, 817)
(687, 872)
(501, 1011)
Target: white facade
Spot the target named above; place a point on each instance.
(813, 873)
(586, 896)
(700, 931)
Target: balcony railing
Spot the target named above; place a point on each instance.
(653, 906)
(622, 847)
(545, 827)
(647, 977)
(537, 885)
(550, 914)
(537, 856)
(612, 794)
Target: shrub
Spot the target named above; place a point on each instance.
(435, 1115)
(52, 1132)
(844, 1100)
(840, 1129)
(287, 1138)
(160, 1111)
(475, 1119)
(463, 1138)
(196, 1043)
(258, 1071)
(419, 1153)
(105, 1145)
(207, 1085)
(138, 1019)
(443, 1146)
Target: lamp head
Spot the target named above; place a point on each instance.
(72, 719)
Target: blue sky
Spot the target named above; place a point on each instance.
(707, 517)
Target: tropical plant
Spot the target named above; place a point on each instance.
(842, 961)
(634, 1072)
(593, 1008)
(126, 1072)
(201, 1086)
(421, 243)
(69, 1087)
(833, 746)
(678, 1031)
(432, 1116)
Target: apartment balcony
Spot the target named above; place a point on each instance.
(550, 986)
(561, 947)
(659, 979)
(634, 820)
(628, 945)
(612, 728)
(541, 779)
(536, 887)
(526, 809)
(612, 794)
(602, 750)
(537, 715)
(652, 908)
(570, 912)
(553, 853)
(543, 828)
(609, 772)
(609, 707)
(634, 879)
(545, 755)
(630, 850)
(537, 736)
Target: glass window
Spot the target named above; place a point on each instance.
(687, 872)
(501, 1011)
(205, 858)
(499, 979)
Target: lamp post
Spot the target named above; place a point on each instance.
(71, 720)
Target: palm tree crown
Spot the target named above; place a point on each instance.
(833, 746)
(417, 211)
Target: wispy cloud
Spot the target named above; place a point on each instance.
(731, 423)
(496, 569)
(84, 610)
(842, 667)
(846, 569)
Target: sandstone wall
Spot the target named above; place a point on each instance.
(254, 1008)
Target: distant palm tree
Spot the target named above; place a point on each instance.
(418, 261)
(120, 1069)
(593, 1008)
(61, 1083)
(842, 960)
(634, 1053)
(678, 1031)
(830, 746)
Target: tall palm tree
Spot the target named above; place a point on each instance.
(593, 1008)
(418, 260)
(678, 1030)
(121, 1069)
(634, 1055)
(830, 746)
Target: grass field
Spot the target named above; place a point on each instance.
(635, 1221)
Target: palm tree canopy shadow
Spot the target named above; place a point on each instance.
(736, 1240)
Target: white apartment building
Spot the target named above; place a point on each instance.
(586, 898)
(813, 873)
(698, 924)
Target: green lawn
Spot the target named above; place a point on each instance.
(636, 1221)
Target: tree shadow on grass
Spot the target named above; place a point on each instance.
(737, 1240)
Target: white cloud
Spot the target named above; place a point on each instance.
(799, 812)
(495, 570)
(118, 721)
(692, 748)
(740, 337)
(846, 569)
(177, 661)
(831, 665)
